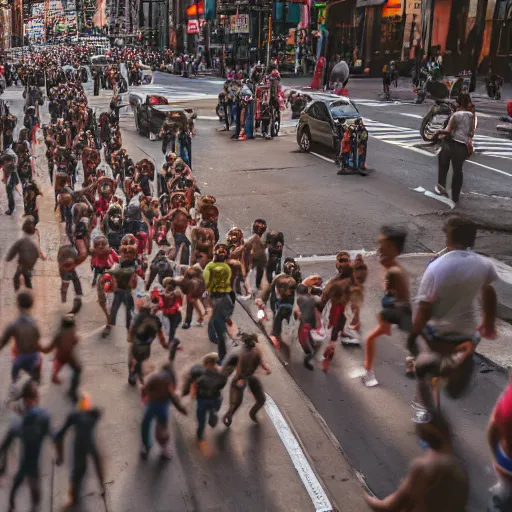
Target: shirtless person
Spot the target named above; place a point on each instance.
(282, 294)
(28, 251)
(396, 307)
(64, 343)
(26, 335)
(158, 393)
(435, 482)
(254, 250)
(244, 361)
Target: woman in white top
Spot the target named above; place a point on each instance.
(456, 147)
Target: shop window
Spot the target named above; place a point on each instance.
(392, 33)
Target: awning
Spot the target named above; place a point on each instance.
(370, 3)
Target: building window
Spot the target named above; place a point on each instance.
(392, 33)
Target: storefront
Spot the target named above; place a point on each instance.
(501, 39)
(344, 26)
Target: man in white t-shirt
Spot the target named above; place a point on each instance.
(445, 316)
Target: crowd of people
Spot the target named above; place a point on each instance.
(154, 246)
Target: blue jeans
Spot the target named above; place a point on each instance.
(222, 309)
(30, 363)
(205, 406)
(158, 410)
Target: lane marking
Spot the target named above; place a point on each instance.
(417, 116)
(307, 475)
(442, 199)
(327, 258)
(490, 168)
(330, 160)
(208, 118)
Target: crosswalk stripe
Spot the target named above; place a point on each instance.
(411, 139)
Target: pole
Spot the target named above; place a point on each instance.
(269, 40)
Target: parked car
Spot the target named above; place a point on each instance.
(150, 110)
(322, 118)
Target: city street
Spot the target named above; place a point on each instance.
(323, 439)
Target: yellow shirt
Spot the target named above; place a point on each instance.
(217, 276)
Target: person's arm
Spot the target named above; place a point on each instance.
(176, 401)
(6, 336)
(13, 251)
(129, 338)
(206, 275)
(449, 127)
(410, 492)
(50, 347)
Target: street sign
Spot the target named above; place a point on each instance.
(193, 27)
(240, 24)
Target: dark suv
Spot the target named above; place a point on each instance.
(320, 119)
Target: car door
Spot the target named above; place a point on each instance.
(324, 121)
(310, 118)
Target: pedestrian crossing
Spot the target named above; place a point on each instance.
(173, 93)
(411, 138)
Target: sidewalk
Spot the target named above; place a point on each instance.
(498, 352)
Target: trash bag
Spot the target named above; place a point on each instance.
(340, 73)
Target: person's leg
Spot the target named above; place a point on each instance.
(116, 304)
(129, 305)
(76, 283)
(147, 419)
(76, 368)
(16, 279)
(460, 153)
(259, 276)
(257, 391)
(284, 312)
(16, 484)
(201, 411)
(236, 395)
(444, 159)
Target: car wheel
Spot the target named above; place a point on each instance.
(305, 140)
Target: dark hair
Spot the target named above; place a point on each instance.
(462, 231)
(25, 300)
(396, 235)
(249, 339)
(260, 221)
(464, 100)
(302, 289)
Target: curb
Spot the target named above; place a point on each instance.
(316, 415)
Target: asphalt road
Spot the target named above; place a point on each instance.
(322, 213)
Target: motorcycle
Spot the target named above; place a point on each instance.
(436, 119)
(493, 83)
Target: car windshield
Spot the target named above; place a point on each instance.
(342, 108)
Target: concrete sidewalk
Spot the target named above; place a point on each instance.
(497, 352)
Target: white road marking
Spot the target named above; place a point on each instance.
(332, 257)
(307, 475)
(208, 118)
(490, 168)
(417, 116)
(442, 199)
(330, 160)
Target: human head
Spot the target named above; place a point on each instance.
(259, 226)
(464, 101)
(30, 393)
(221, 252)
(249, 339)
(460, 232)
(302, 289)
(25, 300)
(391, 243)
(291, 268)
(342, 260)
(210, 360)
(29, 225)
(68, 321)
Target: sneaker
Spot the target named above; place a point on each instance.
(410, 367)
(132, 380)
(9, 212)
(197, 324)
(421, 415)
(440, 190)
(369, 379)
(349, 340)
(186, 325)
